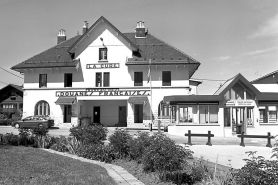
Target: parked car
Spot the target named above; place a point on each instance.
(33, 122)
(4, 120)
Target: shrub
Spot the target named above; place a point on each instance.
(66, 144)
(257, 170)
(164, 155)
(41, 137)
(138, 145)
(59, 144)
(99, 152)
(12, 139)
(119, 141)
(25, 136)
(89, 134)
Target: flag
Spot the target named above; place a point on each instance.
(149, 71)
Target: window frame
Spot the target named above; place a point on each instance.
(103, 54)
(138, 78)
(165, 81)
(98, 81)
(106, 79)
(42, 107)
(42, 81)
(68, 76)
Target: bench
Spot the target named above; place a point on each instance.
(208, 135)
(268, 137)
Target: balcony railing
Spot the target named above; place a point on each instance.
(8, 110)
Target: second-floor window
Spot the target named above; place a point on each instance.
(166, 78)
(138, 78)
(98, 79)
(102, 53)
(68, 80)
(42, 80)
(106, 79)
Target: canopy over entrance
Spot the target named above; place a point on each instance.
(66, 100)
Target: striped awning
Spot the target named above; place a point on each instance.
(66, 100)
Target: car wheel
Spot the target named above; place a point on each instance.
(16, 125)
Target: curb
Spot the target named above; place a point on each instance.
(119, 174)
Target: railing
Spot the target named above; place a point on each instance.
(268, 137)
(208, 135)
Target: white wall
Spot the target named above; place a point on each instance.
(267, 87)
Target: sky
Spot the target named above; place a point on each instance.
(227, 37)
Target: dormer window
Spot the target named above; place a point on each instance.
(103, 54)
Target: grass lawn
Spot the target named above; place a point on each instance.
(26, 165)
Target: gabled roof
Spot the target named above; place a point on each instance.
(232, 81)
(160, 53)
(259, 80)
(144, 49)
(102, 19)
(13, 86)
(57, 56)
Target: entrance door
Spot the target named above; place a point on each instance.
(138, 113)
(122, 114)
(96, 115)
(238, 119)
(67, 113)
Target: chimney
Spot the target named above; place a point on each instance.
(61, 36)
(140, 31)
(85, 27)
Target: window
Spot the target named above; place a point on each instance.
(43, 80)
(42, 108)
(166, 78)
(98, 79)
(268, 114)
(106, 80)
(227, 117)
(68, 80)
(208, 114)
(186, 114)
(203, 110)
(250, 119)
(102, 53)
(213, 114)
(138, 78)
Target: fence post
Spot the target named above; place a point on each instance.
(151, 126)
(189, 138)
(242, 139)
(209, 142)
(269, 140)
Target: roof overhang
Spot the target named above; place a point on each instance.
(65, 100)
(191, 99)
(137, 99)
(266, 96)
(46, 64)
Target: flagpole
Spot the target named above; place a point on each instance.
(150, 66)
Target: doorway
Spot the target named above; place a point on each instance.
(238, 120)
(122, 114)
(67, 113)
(138, 113)
(96, 116)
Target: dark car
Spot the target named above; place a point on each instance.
(4, 120)
(34, 122)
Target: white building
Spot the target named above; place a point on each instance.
(102, 75)
(236, 107)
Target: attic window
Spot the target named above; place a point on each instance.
(103, 54)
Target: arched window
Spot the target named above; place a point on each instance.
(42, 108)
